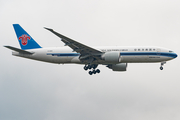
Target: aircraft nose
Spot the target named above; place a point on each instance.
(175, 55)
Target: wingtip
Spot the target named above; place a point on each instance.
(48, 28)
(6, 46)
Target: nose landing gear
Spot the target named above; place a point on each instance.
(162, 63)
(94, 71)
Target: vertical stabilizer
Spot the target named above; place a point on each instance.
(25, 40)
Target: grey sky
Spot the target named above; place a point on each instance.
(43, 91)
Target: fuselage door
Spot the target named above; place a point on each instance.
(158, 51)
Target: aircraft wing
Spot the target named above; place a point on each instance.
(76, 46)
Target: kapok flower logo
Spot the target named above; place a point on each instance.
(24, 39)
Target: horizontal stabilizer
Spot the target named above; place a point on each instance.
(18, 50)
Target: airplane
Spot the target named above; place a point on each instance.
(113, 57)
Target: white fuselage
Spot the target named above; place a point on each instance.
(128, 54)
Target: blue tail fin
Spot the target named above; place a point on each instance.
(25, 40)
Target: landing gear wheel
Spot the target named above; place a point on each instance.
(85, 68)
(90, 73)
(161, 68)
(98, 71)
(94, 71)
(162, 63)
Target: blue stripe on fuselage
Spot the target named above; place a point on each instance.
(173, 55)
(63, 54)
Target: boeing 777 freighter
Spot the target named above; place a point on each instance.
(115, 57)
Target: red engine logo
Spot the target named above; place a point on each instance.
(24, 39)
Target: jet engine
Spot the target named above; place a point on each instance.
(118, 67)
(112, 57)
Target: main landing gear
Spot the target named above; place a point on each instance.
(162, 63)
(94, 71)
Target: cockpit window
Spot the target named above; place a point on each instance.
(170, 51)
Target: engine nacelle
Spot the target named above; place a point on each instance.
(118, 67)
(112, 57)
